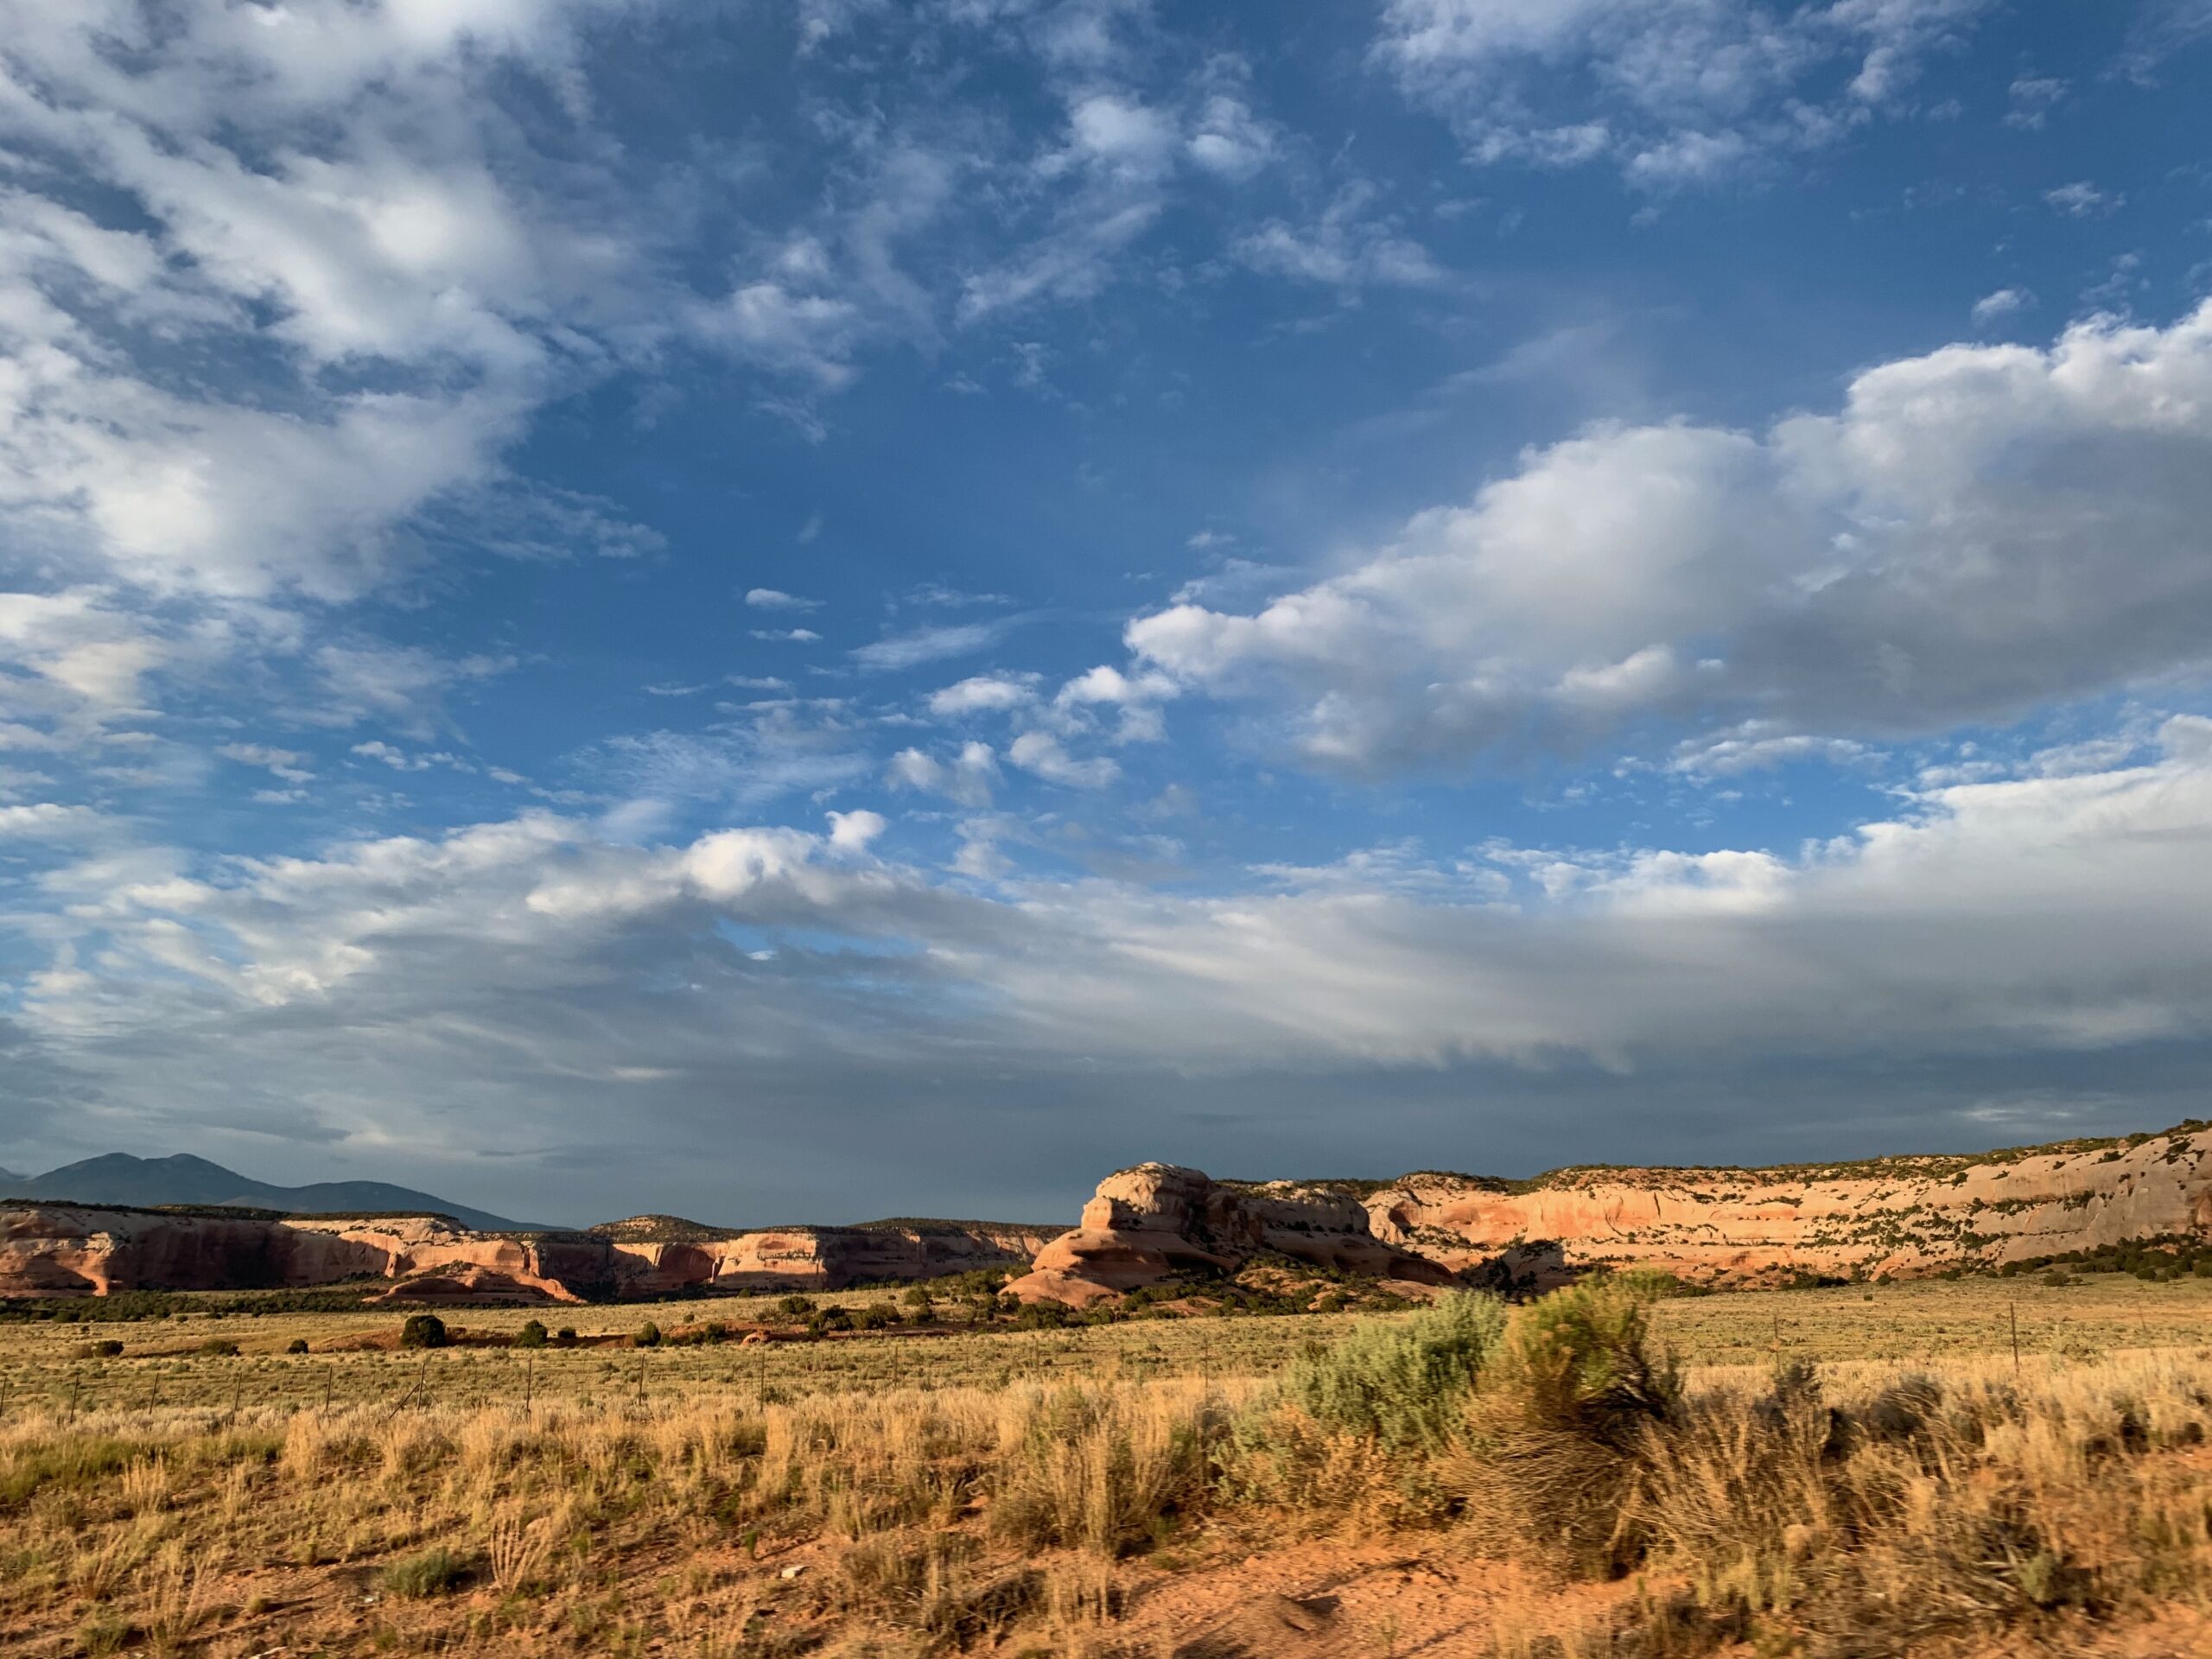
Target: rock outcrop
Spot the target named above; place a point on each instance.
(1146, 1224)
(821, 1258)
(59, 1249)
(1899, 1218)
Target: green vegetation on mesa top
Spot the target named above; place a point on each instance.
(1934, 1165)
(938, 1224)
(1921, 1165)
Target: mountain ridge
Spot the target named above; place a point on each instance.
(184, 1179)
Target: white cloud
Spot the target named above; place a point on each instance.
(1755, 746)
(968, 777)
(2003, 303)
(787, 636)
(312, 194)
(852, 832)
(402, 760)
(1229, 141)
(1138, 697)
(2082, 200)
(1351, 246)
(290, 764)
(90, 654)
(47, 820)
(773, 599)
(402, 685)
(1041, 753)
(1813, 575)
(500, 964)
(2033, 98)
(982, 694)
(1673, 92)
(921, 645)
(1122, 136)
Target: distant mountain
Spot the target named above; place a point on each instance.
(118, 1178)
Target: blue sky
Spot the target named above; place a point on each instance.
(800, 610)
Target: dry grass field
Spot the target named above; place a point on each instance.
(1457, 1481)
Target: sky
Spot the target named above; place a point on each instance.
(801, 609)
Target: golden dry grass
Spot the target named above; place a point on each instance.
(1038, 1492)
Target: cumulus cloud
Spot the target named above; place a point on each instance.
(1975, 533)
(852, 832)
(1137, 696)
(774, 599)
(968, 778)
(982, 694)
(238, 221)
(523, 966)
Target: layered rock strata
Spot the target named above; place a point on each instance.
(1146, 1224)
(53, 1249)
(1899, 1218)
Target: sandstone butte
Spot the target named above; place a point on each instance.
(61, 1249)
(1899, 1217)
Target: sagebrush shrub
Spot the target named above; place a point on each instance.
(1404, 1382)
(1557, 1429)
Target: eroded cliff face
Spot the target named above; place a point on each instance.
(1145, 1225)
(820, 1258)
(77, 1250)
(1897, 1217)
(1902, 1217)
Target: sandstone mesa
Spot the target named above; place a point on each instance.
(1898, 1218)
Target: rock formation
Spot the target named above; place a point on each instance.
(1900, 1216)
(1146, 1224)
(59, 1249)
(1897, 1217)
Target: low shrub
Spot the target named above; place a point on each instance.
(648, 1335)
(532, 1335)
(1405, 1382)
(424, 1331)
(431, 1573)
(1557, 1430)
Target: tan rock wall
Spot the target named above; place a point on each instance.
(1745, 1226)
(72, 1250)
